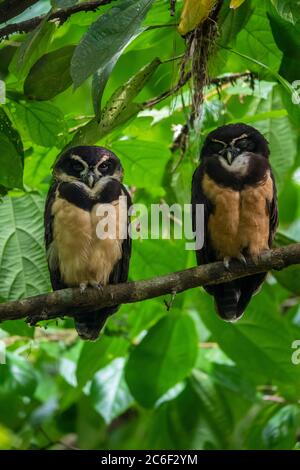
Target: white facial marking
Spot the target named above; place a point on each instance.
(239, 165)
(243, 136)
(80, 160)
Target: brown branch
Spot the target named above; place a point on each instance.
(60, 15)
(63, 302)
(11, 8)
(217, 81)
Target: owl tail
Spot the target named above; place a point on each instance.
(227, 298)
(89, 325)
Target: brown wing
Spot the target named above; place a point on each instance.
(55, 275)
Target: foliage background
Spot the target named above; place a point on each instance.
(155, 379)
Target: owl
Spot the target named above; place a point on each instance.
(235, 183)
(87, 181)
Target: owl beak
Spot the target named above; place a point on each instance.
(229, 156)
(90, 179)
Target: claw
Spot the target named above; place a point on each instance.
(82, 287)
(226, 262)
(97, 285)
(242, 259)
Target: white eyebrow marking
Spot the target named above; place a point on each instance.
(243, 136)
(79, 159)
(219, 142)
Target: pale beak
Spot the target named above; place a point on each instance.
(229, 156)
(90, 179)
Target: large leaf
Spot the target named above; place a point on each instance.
(281, 136)
(11, 155)
(232, 21)
(107, 37)
(163, 358)
(50, 75)
(94, 356)
(259, 344)
(23, 269)
(119, 108)
(260, 47)
(144, 164)
(44, 123)
(236, 3)
(288, 9)
(109, 392)
(194, 12)
(34, 45)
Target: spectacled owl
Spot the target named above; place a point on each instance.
(235, 183)
(86, 179)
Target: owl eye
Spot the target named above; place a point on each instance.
(78, 167)
(243, 143)
(216, 147)
(104, 165)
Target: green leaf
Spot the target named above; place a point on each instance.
(34, 45)
(98, 354)
(260, 47)
(23, 268)
(286, 36)
(100, 79)
(119, 108)
(280, 431)
(11, 155)
(50, 75)
(144, 163)
(107, 37)
(289, 278)
(163, 358)
(18, 374)
(44, 122)
(213, 404)
(281, 136)
(288, 9)
(274, 428)
(232, 21)
(259, 344)
(11, 175)
(109, 392)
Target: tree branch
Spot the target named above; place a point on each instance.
(218, 82)
(63, 302)
(60, 15)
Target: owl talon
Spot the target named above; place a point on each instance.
(82, 287)
(242, 259)
(97, 285)
(226, 262)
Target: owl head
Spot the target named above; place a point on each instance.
(87, 165)
(229, 142)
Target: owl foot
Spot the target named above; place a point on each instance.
(242, 259)
(83, 287)
(227, 260)
(97, 285)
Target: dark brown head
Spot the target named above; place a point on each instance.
(87, 164)
(235, 155)
(234, 139)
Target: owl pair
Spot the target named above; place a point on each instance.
(234, 182)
